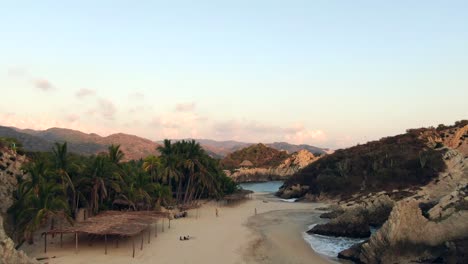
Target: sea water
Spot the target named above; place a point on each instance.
(330, 246)
(265, 187)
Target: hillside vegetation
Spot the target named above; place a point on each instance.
(410, 159)
(79, 142)
(260, 155)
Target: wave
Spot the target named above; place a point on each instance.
(292, 200)
(328, 245)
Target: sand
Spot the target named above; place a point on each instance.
(274, 235)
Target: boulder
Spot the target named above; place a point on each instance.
(293, 191)
(352, 253)
(408, 236)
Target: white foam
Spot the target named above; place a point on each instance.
(328, 245)
(292, 200)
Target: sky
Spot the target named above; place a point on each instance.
(327, 73)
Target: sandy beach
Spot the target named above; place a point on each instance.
(274, 235)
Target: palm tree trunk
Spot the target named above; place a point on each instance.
(187, 188)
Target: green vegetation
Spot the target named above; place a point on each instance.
(61, 182)
(390, 163)
(260, 156)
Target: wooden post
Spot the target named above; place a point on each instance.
(141, 247)
(45, 242)
(117, 242)
(162, 225)
(133, 241)
(105, 244)
(149, 234)
(61, 240)
(156, 229)
(169, 223)
(76, 242)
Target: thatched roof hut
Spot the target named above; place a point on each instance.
(246, 163)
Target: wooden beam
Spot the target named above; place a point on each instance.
(133, 242)
(76, 242)
(105, 244)
(45, 242)
(149, 234)
(141, 247)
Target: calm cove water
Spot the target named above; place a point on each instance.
(268, 187)
(328, 246)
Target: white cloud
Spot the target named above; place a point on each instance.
(43, 84)
(185, 107)
(85, 92)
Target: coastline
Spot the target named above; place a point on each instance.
(280, 238)
(274, 235)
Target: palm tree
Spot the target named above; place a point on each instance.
(61, 165)
(151, 165)
(103, 182)
(170, 160)
(115, 154)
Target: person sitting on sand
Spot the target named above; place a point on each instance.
(180, 238)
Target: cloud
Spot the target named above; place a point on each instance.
(107, 109)
(84, 93)
(72, 118)
(18, 72)
(185, 107)
(43, 84)
(253, 131)
(137, 96)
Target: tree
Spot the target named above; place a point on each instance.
(115, 154)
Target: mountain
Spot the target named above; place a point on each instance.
(287, 167)
(407, 160)
(82, 143)
(220, 149)
(133, 146)
(259, 156)
(291, 148)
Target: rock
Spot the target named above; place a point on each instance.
(352, 253)
(408, 236)
(294, 191)
(8, 184)
(8, 253)
(288, 167)
(348, 224)
(342, 229)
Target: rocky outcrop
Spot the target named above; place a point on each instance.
(8, 253)
(10, 170)
(429, 226)
(354, 218)
(286, 168)
(294, 191)
(409, 236)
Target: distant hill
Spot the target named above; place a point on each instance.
(134, 147)
(259, 155)
(35, 140)
(402, 161)
(220, 149)
(291, 148)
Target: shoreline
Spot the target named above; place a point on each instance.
(229, 238)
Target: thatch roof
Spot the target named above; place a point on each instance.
(121, 223)
(246, 163)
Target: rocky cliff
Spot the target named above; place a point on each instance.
(10, 170)
(290, 165)
(419, 223)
